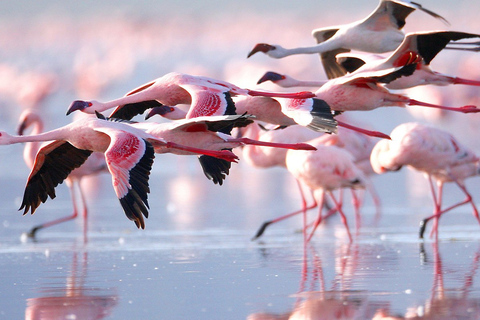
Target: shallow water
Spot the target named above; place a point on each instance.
(195, 259)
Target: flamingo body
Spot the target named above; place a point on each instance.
(434, 152)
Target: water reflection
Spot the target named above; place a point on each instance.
(342, 299)
(75, 300)
(317, 300)
(444, 303)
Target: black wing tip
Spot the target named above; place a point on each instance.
(215, 169)
(135, 202)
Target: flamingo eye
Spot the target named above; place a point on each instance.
(90, 104)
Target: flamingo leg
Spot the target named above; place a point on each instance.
(319, 217)
(357, 202)
(295, 146)
(464, 109)
(338, 205)
(468, 199)
(376, 199)
(222, 154)
(34, 230)
(264, 226)
(84, 212)
(364, 131)
(436, 209)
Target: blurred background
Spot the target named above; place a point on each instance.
(197, 239)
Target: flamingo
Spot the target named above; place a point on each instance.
(358, 145)
(207, 96)
(427, 45)
(129, 154)
(434, 152)
(363, 90)
(322, 171)
(205, 132)
(94, 164)
(379, 32)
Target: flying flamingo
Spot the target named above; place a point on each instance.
(379, 32)
(205, 133)
(207, 96)
(364, 90)
(434, 152)
(129, 154)
(93, 165)
(427, 45)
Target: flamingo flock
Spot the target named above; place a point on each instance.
(313, 135)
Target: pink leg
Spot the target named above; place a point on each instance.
(464, 109)
(468, 199)
(85, 211)
(375, 198)
(291, 95)
(222, 154)
(436, 209)
(319, 217)
(304, 209)
(340, 211)
(356, 205)
(364, 131)
(295, 146)
(34, 230)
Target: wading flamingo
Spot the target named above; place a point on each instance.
(358, 145)
(93, 165)
(322, 171)
(129, 154)
(379, 32)
(434, 152)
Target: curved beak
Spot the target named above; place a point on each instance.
(271, 76)
(78, 105)
(161, 110)
(261, 47)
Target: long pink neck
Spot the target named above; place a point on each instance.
(57, 134)
(31, 148)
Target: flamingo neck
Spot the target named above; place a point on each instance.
(58, 134)
(319, 48)
(31, 148)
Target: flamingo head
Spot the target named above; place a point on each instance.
(27, 119)
(382, 160)
(84, 106)
(160, 110)
(261, 47)
(271, 76)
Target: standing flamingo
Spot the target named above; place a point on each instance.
(129, 154)
(94, 164)
(427, 45)
(322, 171)
(379, 32)
(434, 152)
(358, 146)
(207, 96)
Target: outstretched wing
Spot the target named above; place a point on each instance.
(53, 164)
(329, 62)
(129, 160)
